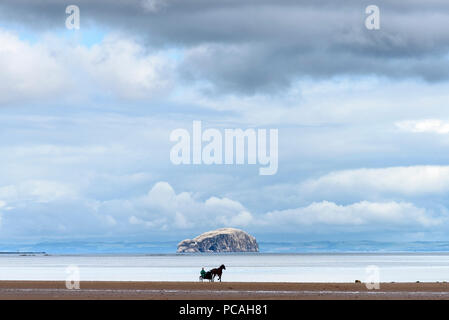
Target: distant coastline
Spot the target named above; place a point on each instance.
(169, 247)
(24, 252)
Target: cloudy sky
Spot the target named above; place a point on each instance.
(86, 115)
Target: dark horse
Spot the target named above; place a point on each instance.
(218, 272)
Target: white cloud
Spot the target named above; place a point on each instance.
(424, 126)
(28, 71)
(162, 195)
(163, 209)
(123, 67)
(52, 68)
(410, 180)
(364, 213)
(44, 208)
(229, 212)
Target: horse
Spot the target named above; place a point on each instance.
(207, 276)
(217, 272)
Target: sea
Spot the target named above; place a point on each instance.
(251, 267)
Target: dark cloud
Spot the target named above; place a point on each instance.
(260, 46)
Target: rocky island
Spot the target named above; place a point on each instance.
(220, 240)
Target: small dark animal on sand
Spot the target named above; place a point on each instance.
(218, 272)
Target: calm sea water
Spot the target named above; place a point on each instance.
(239, 267)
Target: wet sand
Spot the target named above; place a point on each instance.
(99, 290)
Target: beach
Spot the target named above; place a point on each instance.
(128, 290)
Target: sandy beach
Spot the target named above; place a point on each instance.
(100, 290)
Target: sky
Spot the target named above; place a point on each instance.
(86, 116)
